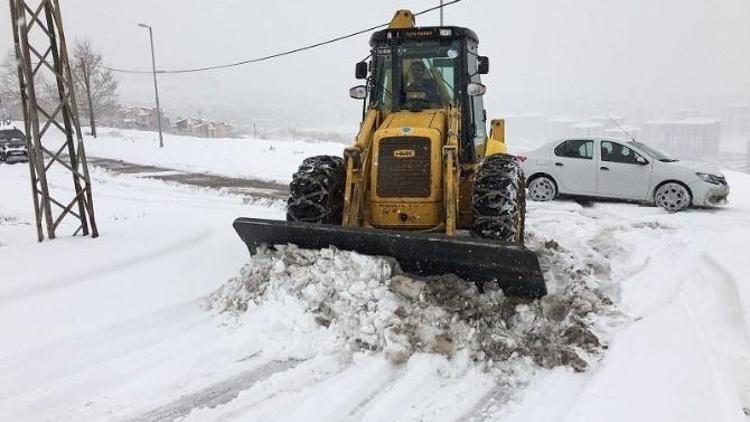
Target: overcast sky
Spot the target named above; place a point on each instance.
(541, 51)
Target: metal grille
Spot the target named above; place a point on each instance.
(404, 168)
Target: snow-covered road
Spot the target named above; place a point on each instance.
(118, 328)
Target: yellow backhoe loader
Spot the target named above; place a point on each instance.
(423, 183)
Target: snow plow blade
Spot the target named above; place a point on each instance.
(515, 268)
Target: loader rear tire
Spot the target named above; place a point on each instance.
(499, 200)
(316, 193)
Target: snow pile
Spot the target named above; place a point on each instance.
(360, 303)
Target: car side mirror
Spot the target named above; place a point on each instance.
(358, 92)
(640, 160)
(360, 70)
(483, 65)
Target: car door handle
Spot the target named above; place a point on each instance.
(559, 164)
(604, 168)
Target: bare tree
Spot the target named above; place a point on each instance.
(98, 85)
(11, 106)
(10, 93)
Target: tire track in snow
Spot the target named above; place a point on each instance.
(732, 294)
(216, 394)
(270, 399)
(426, 390)
(243, 186)
(356, 413)
(92, 273)
(488, 404)
(718, 315)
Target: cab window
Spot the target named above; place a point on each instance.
(428, 73)
(576, 148)
(477, 102)
(618, 153)
(384, 89)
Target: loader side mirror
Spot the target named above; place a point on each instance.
(483, 65)
(358, 92)
(476, 89)
(360, 70)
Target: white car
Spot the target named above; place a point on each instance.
(613, 168)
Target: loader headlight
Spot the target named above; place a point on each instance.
(711, 178)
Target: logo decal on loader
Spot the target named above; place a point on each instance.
(404, 153)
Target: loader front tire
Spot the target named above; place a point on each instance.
(316, 193)
(499, 200)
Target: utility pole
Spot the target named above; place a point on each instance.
(441, 12)
(156, 86)
(42, 55)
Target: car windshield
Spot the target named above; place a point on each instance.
(16, 144)
(426, 72)
(656, 155)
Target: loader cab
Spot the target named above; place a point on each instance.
(429, 68)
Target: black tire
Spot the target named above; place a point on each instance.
(316, 194)
(499, 200)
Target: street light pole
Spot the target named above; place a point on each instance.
(156, 86)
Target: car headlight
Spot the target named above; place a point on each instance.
(711, 178)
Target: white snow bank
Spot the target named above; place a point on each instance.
(671, 379)
(93, 328)
(245, 158)
(685, 358)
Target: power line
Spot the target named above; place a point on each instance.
(276, 55)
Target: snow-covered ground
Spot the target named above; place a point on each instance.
(252, 158)
(164, 317)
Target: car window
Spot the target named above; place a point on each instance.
(618, 153)
(655, 154)
(576, 148)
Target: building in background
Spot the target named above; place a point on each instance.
(736, 127)
(204, 128)
(525, 128)
(624, 132)
(145, 118)
(559, 127)
(587, 129)
(690, 138)
(186, 125)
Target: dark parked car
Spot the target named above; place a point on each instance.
(13, 146)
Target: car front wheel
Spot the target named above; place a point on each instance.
(542, 189)
(673, 197)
